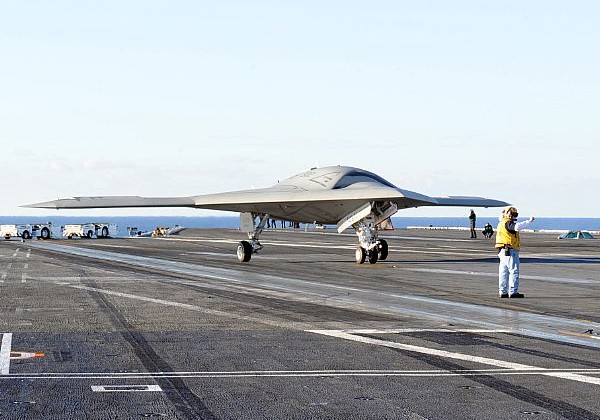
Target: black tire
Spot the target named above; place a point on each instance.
(26, 235)
(45, 233)
(244, 251)
(360, 255)
(90, 234)
(105, 232)
(373, 255)
(383, 249)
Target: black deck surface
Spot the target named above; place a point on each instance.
(177, 328)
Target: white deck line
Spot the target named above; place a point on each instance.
(297, 374)
(5, 353)
(458, 356)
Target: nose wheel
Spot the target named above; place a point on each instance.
(372, 256)
(360, 255)
(378, 253)
(382, 248)
(370, 247)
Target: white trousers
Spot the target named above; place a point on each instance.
(508, 272)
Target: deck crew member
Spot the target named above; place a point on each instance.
(508, 245)
(488, 230)
(472, 221)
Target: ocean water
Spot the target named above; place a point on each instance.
(540, 223)
(148, 223)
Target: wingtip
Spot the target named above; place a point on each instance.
(44, 205)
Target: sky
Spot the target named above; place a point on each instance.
(177, 98)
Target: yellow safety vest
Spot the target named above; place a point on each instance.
(504, 237)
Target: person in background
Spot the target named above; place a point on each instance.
(508, 244)
(487, 231)
(472, 220)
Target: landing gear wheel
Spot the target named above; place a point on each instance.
(26, 235)
(90, 234)
(360, 255)
(383, 249)
(373, 254)
(45, 233)
(244, 251)
(104, 232)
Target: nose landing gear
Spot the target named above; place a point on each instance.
(370, 249)
(366, 221)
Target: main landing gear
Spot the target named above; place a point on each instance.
(248, 222)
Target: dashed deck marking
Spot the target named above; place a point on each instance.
(126, 388)
(457, 356)
(5, 353)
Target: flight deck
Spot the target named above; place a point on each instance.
(177, 328)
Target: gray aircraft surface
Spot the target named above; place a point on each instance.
(340, 195)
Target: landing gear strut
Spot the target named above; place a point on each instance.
(248, 223)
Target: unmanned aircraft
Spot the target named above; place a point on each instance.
(340, 195)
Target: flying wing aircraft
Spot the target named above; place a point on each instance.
(341, 195)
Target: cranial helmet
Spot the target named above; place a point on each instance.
(511, 211)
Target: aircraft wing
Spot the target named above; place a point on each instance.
(273, 200)
(467, 201)
(285, 202)
(114, 202)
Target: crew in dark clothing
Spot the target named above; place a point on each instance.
(488, 231)
(472, 219)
